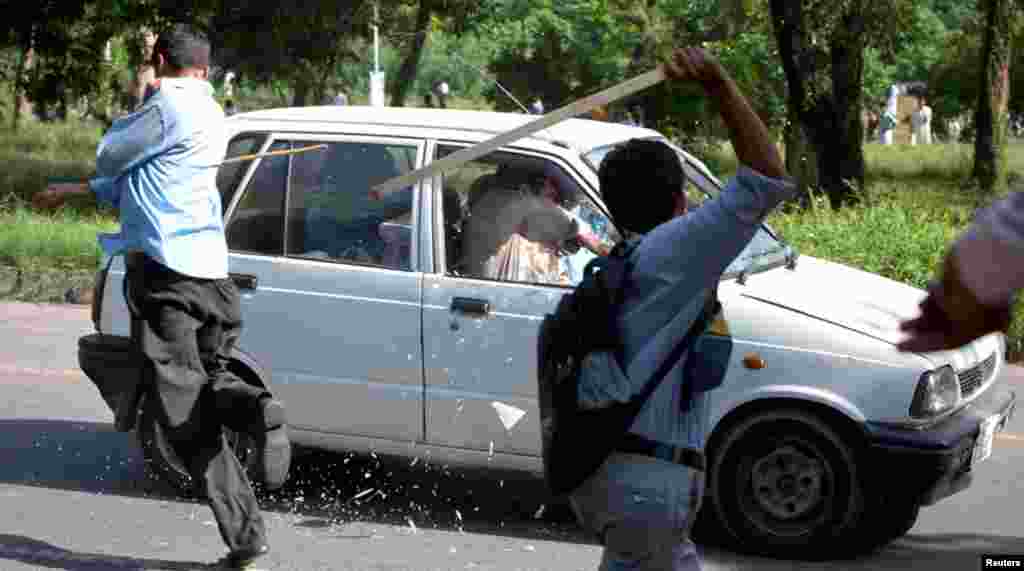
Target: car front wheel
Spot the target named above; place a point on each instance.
(785, 483)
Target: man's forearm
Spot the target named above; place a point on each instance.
(750, 138)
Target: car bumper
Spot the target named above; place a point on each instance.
(933, 463)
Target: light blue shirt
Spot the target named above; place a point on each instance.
(157, 166)
(674, 268)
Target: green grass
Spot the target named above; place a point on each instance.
(39, 151)
(65, 239)
(34, 154)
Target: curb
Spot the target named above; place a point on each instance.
(46, 285)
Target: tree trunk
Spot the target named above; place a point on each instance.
(406, 75)
(829, 119)
(993, 94)
(845, 155)
(801, 160)
(21, 103)
(301, 94)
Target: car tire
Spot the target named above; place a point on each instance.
(165, 467)
(785, 483)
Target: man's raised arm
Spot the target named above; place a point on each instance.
(750, 139)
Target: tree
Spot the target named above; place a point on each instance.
(401, 83)
(822, 48)
(63, 50)
(993, 95)
(37, 29)
(301, 44)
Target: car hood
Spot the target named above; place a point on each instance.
(845, 296)
(859, 301)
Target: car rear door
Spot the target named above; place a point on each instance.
(331, 283)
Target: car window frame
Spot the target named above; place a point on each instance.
(437, 207)
(702, 169)
(300, 138)
(229, 208)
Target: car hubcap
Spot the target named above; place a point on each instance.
(787, 483)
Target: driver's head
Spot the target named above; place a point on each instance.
(642, 182)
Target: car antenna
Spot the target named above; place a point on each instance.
(502, 88)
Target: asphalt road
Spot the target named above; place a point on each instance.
(74, 496)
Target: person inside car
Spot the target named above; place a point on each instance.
(516, 228)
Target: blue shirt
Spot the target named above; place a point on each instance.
(157, 166)
(674, 268)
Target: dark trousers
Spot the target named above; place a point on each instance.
(186, 327)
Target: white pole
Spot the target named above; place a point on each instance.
(376, 41)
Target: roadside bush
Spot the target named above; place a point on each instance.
(65, 239)
(40, 151)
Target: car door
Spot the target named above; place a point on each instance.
(480, 332)
(330, 282)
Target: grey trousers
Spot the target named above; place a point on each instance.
(186, 328)
(642, 510)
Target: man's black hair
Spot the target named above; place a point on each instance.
(640, 181)
(183, 47)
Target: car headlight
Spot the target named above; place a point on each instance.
(937, 392)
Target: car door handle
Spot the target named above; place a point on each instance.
(471, 305)
(245, 281)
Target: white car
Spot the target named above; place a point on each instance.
(360, 317)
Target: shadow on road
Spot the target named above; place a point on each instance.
(42, 554)
(327, 491)
(940, 552)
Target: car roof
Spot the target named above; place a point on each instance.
(580, 134)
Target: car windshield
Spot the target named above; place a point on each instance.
(765, 251)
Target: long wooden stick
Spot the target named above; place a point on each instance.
(253, 156)
(578, 107)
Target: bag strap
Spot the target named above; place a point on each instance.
(711, 308)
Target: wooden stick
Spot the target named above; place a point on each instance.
(270, 154)
(478, 150)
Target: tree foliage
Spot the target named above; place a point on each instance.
(301, 44)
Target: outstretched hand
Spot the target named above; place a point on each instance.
(55, 194)
(951, 316)
(48, 199)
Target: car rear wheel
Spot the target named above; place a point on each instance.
(163, 464)
(785, 483)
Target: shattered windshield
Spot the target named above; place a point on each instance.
(765, 250)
